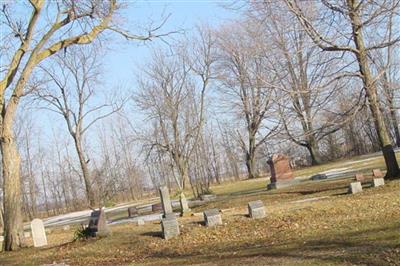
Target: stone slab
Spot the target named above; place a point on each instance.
(140, 222)
(38, 233)
(212, 217)
(355, 187)
(165, 200)
(170, 227)
(377, 182)
(256, 209)
(98, 224)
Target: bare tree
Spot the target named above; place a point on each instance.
(349, 31)
(65, 24)
(172, 95)
(71, 92)
(248, 88)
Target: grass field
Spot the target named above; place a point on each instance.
(312, 223)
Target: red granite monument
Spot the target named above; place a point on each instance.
(281, 172)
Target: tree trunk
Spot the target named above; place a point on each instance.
(13, 230)
(392, 167)
(250, 156)
(395, 124)
(85, 172)
(250, 165)
(312, 148)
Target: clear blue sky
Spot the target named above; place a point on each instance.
(126, 56)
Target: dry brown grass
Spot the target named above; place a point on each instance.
(337, 229)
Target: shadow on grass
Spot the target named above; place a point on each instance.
(157, 234)
(367, 247)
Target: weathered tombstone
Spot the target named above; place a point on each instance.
(132, 212)
(377, 173)
(212, 217)
(140, 222)
(165, 200)
(256, 209)
(185, 210)
(281, 173)
(98, 224)
(38, 233)
(360, 177)
(377, 182)
(355, 187)
(156, 207)
(170, 227)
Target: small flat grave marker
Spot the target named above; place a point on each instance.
(38, 233)
(377, 173)
(170, 227)
(256, 209)
(377, 182)
(132, 212)
(360, 177)
(355, 187)
(212, 217)
(98, 224)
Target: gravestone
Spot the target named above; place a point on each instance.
(377, 182)
(98, 224)
(360, 177)
(256, 209)
(140, 222)
(156, 207)
(355, 187)
(132, 212)
(170, 227)
(281, 173)
(377, 173)
(165, 200)
(38, 233)
(185, 210)
(212, 217)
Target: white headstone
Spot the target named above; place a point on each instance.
(355, 187)
(377, 182)
(38, 233)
